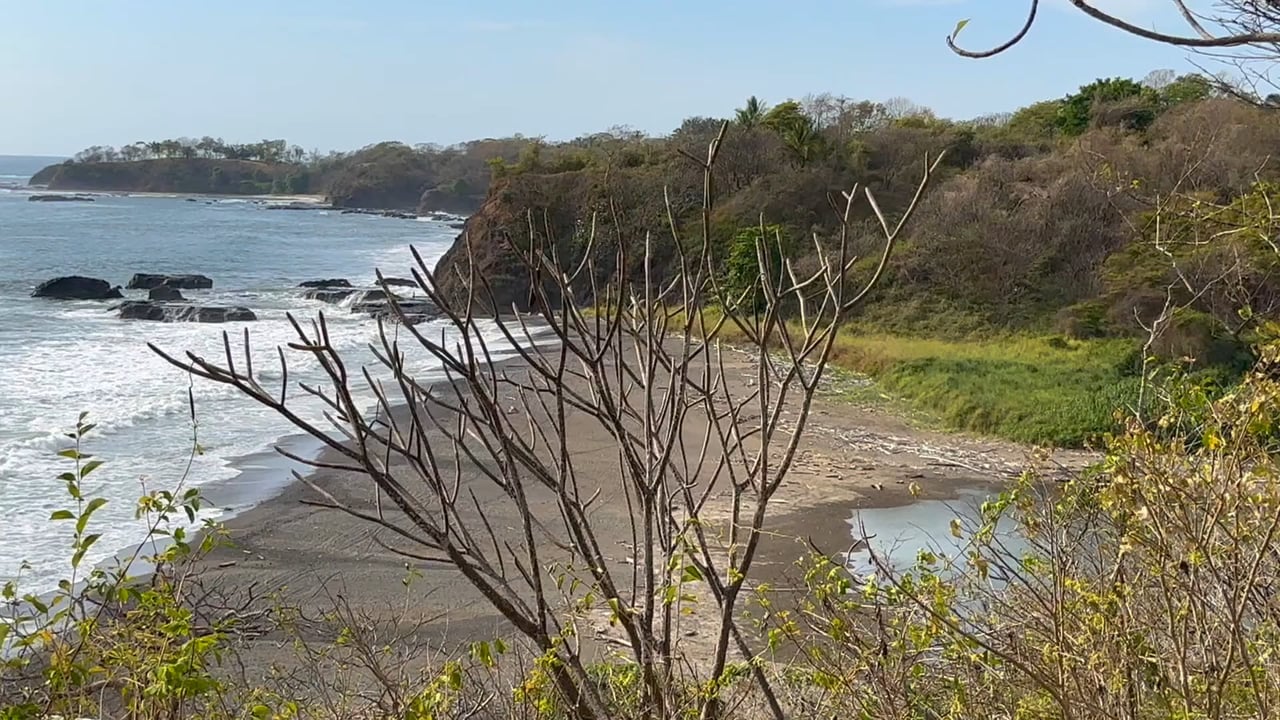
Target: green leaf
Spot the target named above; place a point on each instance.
(89, 467)
(69, 453)
(37, 603)
(62, 515)
(959, 26)
(691, 574)
(93, 505)
(84, 547)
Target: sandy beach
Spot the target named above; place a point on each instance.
(852, 457)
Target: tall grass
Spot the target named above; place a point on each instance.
(1044, 390)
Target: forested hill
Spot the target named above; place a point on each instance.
(177, 175)
(1042, 219)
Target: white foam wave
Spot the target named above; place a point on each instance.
(57, 359)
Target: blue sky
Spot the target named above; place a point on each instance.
(337, 74)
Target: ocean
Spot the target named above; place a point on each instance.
(15, 170)
(59, 358)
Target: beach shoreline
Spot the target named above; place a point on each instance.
(309, 557)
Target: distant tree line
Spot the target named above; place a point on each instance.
(268, 151)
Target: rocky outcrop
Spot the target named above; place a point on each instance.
(166, 293)
(415, 310)
(147, 281)
(77, 287)
(326, 283)
(377, 303)
(501, 278)
(399, 282)
(59, 198)
(329, 294)
(397, 214)
(445, 200)
(562, 206)
(178, 312)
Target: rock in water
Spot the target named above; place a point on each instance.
(60, 198)
(327, 283)
(415, 310)
(165, 292)
(172, 312)
(401, 282)
(77, 287)
(329, 295)
(147, 281)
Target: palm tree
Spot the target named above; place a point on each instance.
(752, 114)
(803, 140)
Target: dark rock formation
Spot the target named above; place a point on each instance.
(77, 287)
(176, 312)
(59, 198)
(165, 292)
(415, 310)
(398, 214)
(329, 294)
(300, 206)
(146, 281)
(563, 205)
(443, 200)
(558, 199)
(399, 282)
(326, 283)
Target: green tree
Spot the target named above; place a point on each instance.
(798, 132)
(1077, 111)
(752, 114)
(1187, 88)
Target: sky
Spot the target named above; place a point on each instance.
(337, 74)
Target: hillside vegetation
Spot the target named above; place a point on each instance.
(1084, 218)
(1077, 221)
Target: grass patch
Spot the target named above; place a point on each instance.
(1046, 391)
(1039, 390)
(1042, 390)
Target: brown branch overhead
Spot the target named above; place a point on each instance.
(1017, 38)
(1203, 39)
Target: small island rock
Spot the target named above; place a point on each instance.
(77, 287)
(172, 312)
(165, 292)
(147, 281)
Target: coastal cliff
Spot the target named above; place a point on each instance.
(559, 211)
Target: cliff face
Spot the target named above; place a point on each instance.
(442, 200)
(557, 211)
(195, 175)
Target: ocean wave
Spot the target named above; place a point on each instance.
(57, 359)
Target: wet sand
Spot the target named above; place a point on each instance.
(312, 558)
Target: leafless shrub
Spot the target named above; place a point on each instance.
(481, 471)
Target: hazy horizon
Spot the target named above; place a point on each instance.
(329, 76)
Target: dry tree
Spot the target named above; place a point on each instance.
(482, 471)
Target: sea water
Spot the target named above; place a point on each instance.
(59, 358)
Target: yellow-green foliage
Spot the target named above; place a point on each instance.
(1143, 589)
(1045, 390)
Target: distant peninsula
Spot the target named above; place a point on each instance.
(386, 176)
